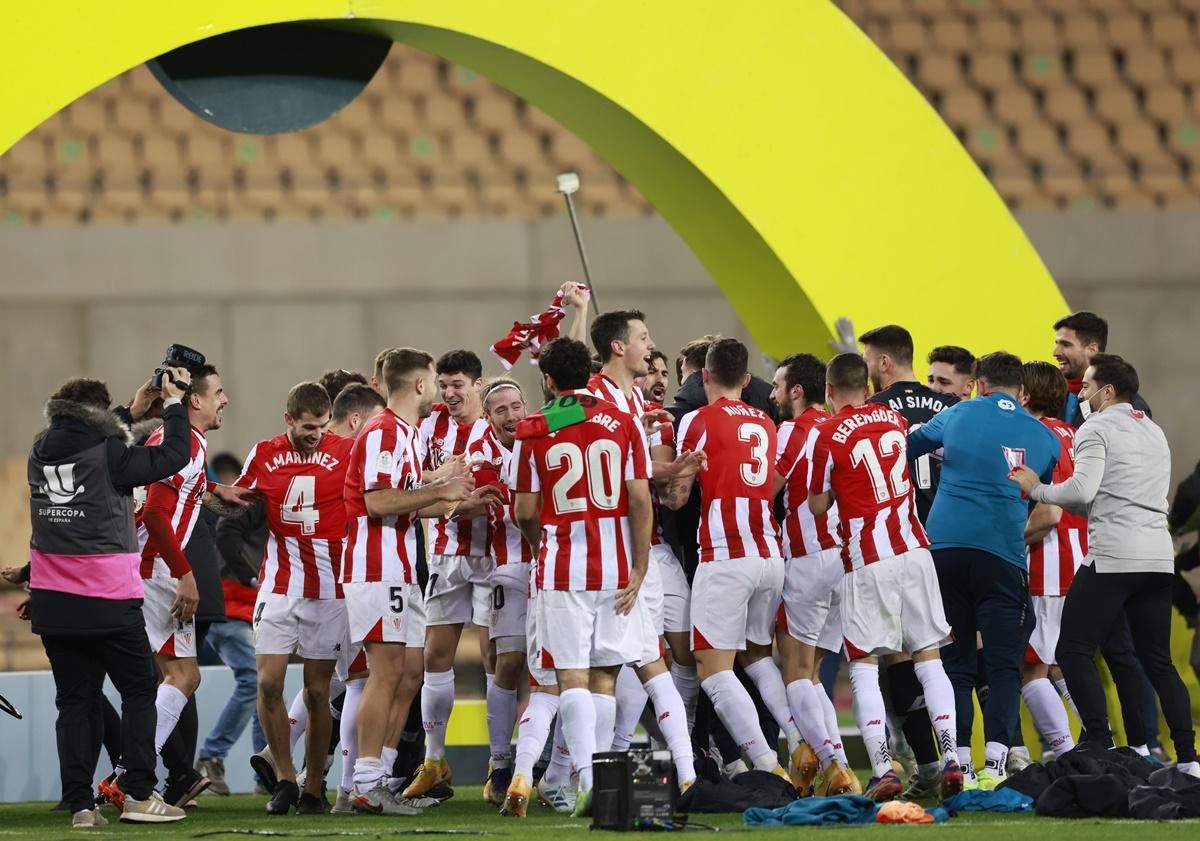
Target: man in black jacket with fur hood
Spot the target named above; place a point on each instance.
(85, 584)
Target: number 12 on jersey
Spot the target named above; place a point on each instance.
(890, 443)
(299, 504)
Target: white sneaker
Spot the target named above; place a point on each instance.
(344, 805)
(379, 801)
(560, 797)
(734, 768)
(85, 818)
(150, 810)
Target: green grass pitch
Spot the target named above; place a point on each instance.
(242, 816)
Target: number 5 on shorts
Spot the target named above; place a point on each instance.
(396, 595)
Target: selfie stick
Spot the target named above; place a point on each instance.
(568, 184)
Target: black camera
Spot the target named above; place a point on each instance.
(177, 356)
(634, 790)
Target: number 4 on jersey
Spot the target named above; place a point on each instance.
(298, 505)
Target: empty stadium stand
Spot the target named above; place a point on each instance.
(1066, 104)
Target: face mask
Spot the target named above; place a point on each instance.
(1087, 409)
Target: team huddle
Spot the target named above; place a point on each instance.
(401, 509)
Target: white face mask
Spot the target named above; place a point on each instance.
(1085, 408)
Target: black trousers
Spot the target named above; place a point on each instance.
(79, 664)
(1095, 605)
(984, 593)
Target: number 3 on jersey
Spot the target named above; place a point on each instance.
(298, 504)
(890, 443)
(755, 473)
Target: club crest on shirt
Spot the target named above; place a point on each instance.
(383, 463)
(1006, 405)
(1014, 457)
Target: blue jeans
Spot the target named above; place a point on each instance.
(233, 642)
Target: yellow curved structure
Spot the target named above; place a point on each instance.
(795, 160)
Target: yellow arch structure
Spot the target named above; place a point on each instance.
(795, 160)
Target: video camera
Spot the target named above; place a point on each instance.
(177, 356)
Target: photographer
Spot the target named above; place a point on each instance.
(85, 586)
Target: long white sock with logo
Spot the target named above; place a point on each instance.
(939, 702)
(348, 727)
(631, 700)
(437, 701)
(688, 684)
(769, 682)
(297, 719)
(578, 713)
(501, 718)
(831, 725)
(1049, 715)
(736, 710)
(532, 732)
(672, 720)
(871, 715)
(559, 769)
(169, 703)
(606, 719)
(1061, 686)
(809, 715)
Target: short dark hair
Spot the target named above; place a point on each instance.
(891, 339)
(1000, 368)
(1110, 369)
(200, 375)
(225, 461)
(308, 398)
(1088, 326)
(337, 379)
(727, 362)
(1046, 387)
(658, 354)
(612, 327)
(400, 363)
(84, 390)
(460, 362)
(356, 397)
(847, 372)
(692, 354)
(379, 358)
(567, 362)
(806, 371)
(962, 360)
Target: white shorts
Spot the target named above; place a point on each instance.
(734, 601)
(893, 605)
(384, 611)
(509, 601)
(812, 599)
(541, 668)
(459, 590)
(352, 659)
(677, 594)
(1047, 610)
(579, 629)
(168, 636)
(649, 609)
(313, 628)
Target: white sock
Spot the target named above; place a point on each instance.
(964, 759)
(606, 721)
(336, 688)
(1192, 769)
(578, 713)
(368, 770)
(672, 720)
(939, 702)
(631, 700)
(736, 711)
(387, 758)
(1061, 686)
(832, 728)
(1141, 750)
(809, 715)
(533, 730)
(688, 684)
(559, 770)
(501, 717)
(297, 719)
(169, 703)
(871, 715)
(488, 680)
(437, 701)
(995, 757)
(769, 681)
(1048, 714)
(348, 727)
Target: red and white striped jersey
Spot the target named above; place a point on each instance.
(578, 453)
(862, 454)
(187, 486)
(736, 490)
(306, 514)
(603, 386)
(664, 437)
(490, 461)
(442, 436)
(1052, 563)
(803, 534)
(386, 454)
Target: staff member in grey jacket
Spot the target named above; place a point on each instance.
(1121, 479)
